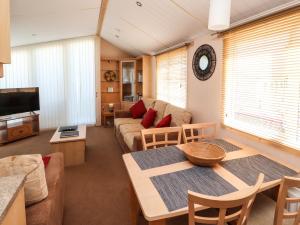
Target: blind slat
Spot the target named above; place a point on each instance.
(261, 88)
(171, 70)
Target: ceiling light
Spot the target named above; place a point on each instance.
(139, 4)
(219, 15)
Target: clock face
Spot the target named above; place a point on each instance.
(204, 62)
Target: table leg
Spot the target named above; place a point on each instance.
(135, 207)
(158, 222)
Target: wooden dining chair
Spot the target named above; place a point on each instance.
(198, 131)
(160, 137)
(242, 200)
(268, 212)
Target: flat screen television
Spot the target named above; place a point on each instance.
(19, 100)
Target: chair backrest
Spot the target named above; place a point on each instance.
(198, 131)
(160, 137)
(283, 199)
(242, 199)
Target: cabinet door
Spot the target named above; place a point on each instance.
(4, 34)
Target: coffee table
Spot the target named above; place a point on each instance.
(73, 148)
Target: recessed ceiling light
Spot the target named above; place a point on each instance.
(139, 4)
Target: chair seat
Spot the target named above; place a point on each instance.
(263, 211)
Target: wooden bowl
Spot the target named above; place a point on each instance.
(203, 153)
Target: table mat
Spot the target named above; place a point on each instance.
(248, 169)
(173, 187)
(227, 146)
(158, 157)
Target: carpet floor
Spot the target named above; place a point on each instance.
(97, 192)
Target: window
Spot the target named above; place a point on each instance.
(171, 70)
(262, 78)
(64, 71)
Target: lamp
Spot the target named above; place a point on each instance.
(219, 15)
(111, 107)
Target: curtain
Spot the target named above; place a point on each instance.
(262, 78)
(65, 72)
(171, 72)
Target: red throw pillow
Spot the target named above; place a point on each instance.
(165, 122)
(46, 160)
(149, 118)
(138, 110)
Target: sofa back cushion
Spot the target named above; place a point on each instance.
(32, 166)
(179, 115)
(160, 107)
(148, 102)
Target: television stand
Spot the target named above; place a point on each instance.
(17, 127)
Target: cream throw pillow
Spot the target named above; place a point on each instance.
(32, 167)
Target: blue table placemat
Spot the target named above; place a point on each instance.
(248, 169)
(173, 187)
(158, 157)
(227, 146)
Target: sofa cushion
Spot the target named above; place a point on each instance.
(128, 128)
(129, 139)
(32, 166)
(121, 121)
(165, 122)
(149, 102)
(160, 107)
(179, 115)
(149, 118)
(138, 110)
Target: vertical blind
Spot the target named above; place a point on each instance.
(261, 89)
(64, 71)
(171, 72)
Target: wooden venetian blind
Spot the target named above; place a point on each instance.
(261, 89)
(171, 70)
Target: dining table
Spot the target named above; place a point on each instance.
(160, 178)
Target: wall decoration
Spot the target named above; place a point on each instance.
(110, 89)
(204, 62)
(110, 76)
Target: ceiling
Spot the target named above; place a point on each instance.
(34, 21)
(159, 24)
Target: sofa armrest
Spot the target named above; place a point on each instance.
(122, 114)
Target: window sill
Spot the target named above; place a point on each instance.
(261, 140)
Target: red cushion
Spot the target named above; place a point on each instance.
(165, 122)
(138, 110)
(149, 118)
(46, 160)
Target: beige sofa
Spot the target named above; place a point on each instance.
(128, 130)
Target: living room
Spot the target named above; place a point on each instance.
(211, 87)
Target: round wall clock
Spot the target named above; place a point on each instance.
(204, 62)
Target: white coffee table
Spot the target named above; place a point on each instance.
(73, 148)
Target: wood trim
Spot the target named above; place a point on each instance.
(261, 140)
(102, 12)
(1, 70)
(16, 215)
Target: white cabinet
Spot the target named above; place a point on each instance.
(4, 34)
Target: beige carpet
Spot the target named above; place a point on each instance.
(97, 192)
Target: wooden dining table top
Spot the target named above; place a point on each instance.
(150, 200)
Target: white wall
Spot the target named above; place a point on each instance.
(205, 102)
